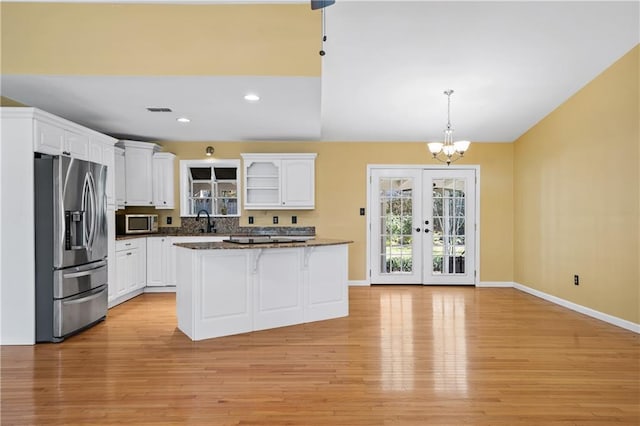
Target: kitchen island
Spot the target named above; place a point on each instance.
(226, 288)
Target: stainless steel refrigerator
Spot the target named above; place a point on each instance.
(71, 246)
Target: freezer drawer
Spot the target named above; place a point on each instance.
(78, 279)
(77, 312)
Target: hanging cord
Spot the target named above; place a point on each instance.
(324, 34)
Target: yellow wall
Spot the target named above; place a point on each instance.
(341, 190)
(8, 102)
(577, 197)
(160, 39)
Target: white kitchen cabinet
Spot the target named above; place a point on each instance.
(228, 291)
(158, 255)
(298, 183)
(112, 273)
(56, 140)
(277, 289)
(131, 267)
(161, 257)
(138, 161)
(163, 173)
(56, 136)
(76, 145)
(119, 168)
(279, 181)
(48, 139)
(95, 152)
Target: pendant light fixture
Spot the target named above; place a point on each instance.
(448, 151)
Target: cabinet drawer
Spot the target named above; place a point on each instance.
(130, 244)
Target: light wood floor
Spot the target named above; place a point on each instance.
(405, 356)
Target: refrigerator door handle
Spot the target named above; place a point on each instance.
(92, 210)
(89, 206)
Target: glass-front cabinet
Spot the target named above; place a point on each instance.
(209, 185)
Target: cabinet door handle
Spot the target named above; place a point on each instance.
(66, 153)
(129, 254)
(128, 244)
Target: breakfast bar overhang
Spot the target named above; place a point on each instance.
(225, 288)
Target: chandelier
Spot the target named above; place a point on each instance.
(448, 151)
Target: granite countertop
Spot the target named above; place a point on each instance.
(169, 234)
(298, 231)
(226, 246)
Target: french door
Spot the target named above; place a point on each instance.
(422, 228)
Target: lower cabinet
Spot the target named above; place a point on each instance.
(144, 262)
(158, 254)
(161, 258)
(131, 268)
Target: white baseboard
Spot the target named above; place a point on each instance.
(356, 283)
(503, 284)
(628, 325)
(167, 289)
(124, 298)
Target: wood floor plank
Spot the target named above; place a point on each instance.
(406, 355)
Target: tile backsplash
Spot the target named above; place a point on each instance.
(231, 226)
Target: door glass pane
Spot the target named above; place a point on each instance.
(449, 245)
(396, 225)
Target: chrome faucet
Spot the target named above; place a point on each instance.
(210, 224)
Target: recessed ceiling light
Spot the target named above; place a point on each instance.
(251, 97)
(183, 120)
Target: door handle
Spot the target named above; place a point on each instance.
(417, 229)
(426, 230)
(83, 273)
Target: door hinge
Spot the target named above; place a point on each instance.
(369, 273)
(474, 273)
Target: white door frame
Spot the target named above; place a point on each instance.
(370, 167)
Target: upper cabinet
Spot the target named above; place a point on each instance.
(138, 165)
(211, 186)
(66, 138)
(148, 175)
(55, 140)
(279, 181)
(163, 180)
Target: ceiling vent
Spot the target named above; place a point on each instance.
(158, 109)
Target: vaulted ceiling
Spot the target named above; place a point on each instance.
(386, 66)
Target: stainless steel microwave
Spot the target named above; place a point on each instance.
(136, 223)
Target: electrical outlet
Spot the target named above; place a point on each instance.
(576, 280)
(250, 220)
(275, 220)
(169, 220)
(361, 211)
(294, 219)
